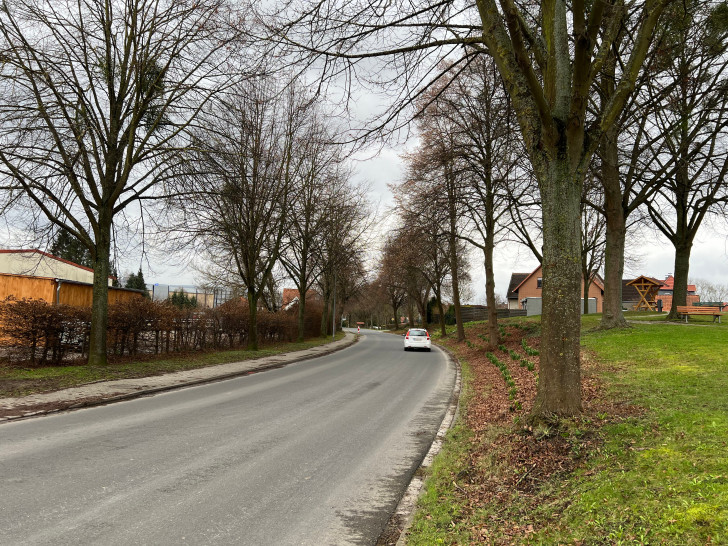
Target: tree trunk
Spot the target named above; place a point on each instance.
(680, 286)
(493, 333)
(422, 308)
(252, 320)
(100, 303)
(559, 387)
(616, 218)
(301, 314)
(454, 265)
(585, 286)
(395, 308)
(443, 330)
(325, 316)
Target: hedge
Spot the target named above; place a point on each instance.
(41, 333)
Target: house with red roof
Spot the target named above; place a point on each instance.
(291, 297)
(665, 293)
(529, 285)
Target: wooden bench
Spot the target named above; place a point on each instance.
(687, 310)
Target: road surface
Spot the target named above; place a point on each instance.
(318, 452)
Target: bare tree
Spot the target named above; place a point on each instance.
(433, 198)
(241, 180)
(391, 276)
(318, 186)
(98, 97)
(593, 225)
(426, 214)
(710, 291)
(343, 247)
(690, 155)
(475, 112)
(617, 165)
(549, 56)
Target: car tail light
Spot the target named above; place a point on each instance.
(407, 336)
(428, 335)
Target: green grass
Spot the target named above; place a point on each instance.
(15, 381)
(661, 477)
(439, 507)
(660, 474)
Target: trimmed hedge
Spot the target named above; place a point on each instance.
(41, 333)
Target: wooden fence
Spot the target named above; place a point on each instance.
(471, 313)
(78, 294)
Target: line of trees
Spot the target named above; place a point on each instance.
(531, 117)
(110, 107)
(599, 92)
(98, 101)
(266, 194)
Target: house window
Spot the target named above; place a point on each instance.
(539, 283)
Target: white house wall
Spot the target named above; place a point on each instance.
(41, 265)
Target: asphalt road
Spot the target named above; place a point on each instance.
(318, 452)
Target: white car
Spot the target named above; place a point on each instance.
(417, 338)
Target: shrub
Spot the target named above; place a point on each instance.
(40, 332)
(43, 332)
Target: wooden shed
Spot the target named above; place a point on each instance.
(76, 293)
(647, 288)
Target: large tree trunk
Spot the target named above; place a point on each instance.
(559, 388)
(452, 213)
(302, 287)
(252, 320)
(100, 302)
(682, 267)
(325, 317)
(612, 316)
(422, 308)
(443, 330)
(682, 239)
(493, 334)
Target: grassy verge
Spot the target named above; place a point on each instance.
(656, 474)
(18, 381)
(662, 477)
(439, 506)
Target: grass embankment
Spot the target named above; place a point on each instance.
(20, 381)
(647, 462)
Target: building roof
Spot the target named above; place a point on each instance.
(291, 296)
(597, 281)
(525, 278)
(669, 284)
(629, 292)
(45, 254)
(516, 280)
(651, 280)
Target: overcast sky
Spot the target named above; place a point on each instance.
(652, 255)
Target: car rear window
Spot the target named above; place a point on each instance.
(417, 332)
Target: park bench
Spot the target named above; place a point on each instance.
(687, 310)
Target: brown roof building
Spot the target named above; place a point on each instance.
(530, 286)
